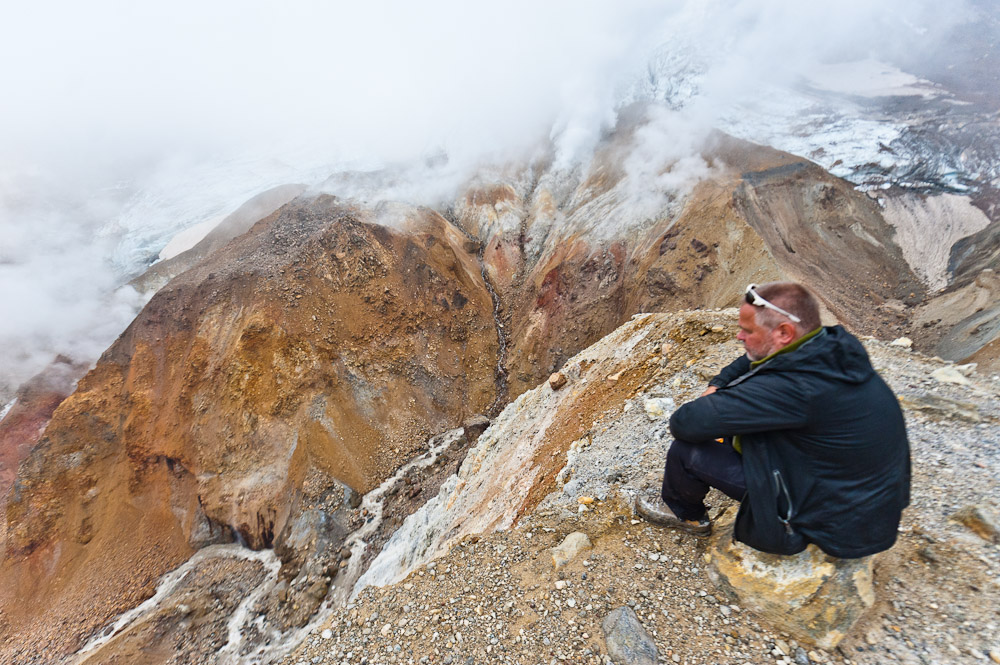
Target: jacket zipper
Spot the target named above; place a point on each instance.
(779, 483)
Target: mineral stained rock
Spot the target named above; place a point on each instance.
(813, 597)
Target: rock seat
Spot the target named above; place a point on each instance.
(814, 597)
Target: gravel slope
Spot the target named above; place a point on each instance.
(496, 597)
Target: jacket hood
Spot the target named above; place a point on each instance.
(834, 354)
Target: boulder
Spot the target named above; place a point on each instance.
(628, 642)
(474, 427)
(812, 596)
(557, 380)
(950, 374)
(942, 407)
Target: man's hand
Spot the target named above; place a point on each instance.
(709, 391)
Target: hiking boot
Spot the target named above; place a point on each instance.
(653, 509)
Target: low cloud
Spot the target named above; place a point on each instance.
(124, 123)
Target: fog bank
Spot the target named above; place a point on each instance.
(125, 123)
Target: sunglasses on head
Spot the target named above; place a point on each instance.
(754, 298)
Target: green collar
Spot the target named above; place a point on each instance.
(789, 348)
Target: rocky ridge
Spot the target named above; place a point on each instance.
(493, 594)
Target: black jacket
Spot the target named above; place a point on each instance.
(824, 445)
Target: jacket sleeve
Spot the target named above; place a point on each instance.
(735, 369)
(766, 402)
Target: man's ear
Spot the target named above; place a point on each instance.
(784, 333)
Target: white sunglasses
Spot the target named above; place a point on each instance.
(754, 298)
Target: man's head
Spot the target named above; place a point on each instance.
(767, 317)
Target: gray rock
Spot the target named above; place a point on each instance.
(352, 498)
(627, 641)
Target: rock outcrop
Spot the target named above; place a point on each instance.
(573, 257)
(813, 597)
(25, 422)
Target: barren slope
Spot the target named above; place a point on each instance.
(316, 343)
(320, 350)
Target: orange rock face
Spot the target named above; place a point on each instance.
(317, 341)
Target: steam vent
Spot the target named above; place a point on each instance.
(369, 405)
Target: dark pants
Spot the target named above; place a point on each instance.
(694, 468)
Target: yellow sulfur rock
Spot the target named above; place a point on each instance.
(813, 597)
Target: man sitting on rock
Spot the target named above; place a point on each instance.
(801, 430)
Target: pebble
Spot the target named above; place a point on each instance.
(567, 550)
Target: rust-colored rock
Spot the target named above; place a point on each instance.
(980, 520)
(557, 380)
(203, 420)
(36, 401)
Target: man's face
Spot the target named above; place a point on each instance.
(757, 340)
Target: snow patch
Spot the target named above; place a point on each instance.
(188, 238)
(6, 409)
(869, 78)
(928, 226)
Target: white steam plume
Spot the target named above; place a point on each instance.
(123, 122)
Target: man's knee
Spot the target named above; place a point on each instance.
(682, 452)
